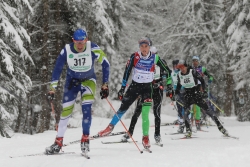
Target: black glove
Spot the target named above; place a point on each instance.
(104, 93)
(169, 91)
(121, 92)
(204, 95)
(51, 95)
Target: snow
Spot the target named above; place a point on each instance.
(210, 149)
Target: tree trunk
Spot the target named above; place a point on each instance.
(228, 94)
(44, 67)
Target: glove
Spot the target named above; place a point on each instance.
(104, 93)
(120, 93)
(53, 86)
(204, 95)
(169, 91)
(172, 97)
(51, 95)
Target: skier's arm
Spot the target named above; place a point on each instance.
(61, 60)
(128, 68)
(102, 59)
(205, 72)
(199, 78)
(165, 68)
(178, 86)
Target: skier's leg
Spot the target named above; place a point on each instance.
(157, 100)
(135, 116)
(204, 106)
(69, 97)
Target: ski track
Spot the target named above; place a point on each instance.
(210, 149)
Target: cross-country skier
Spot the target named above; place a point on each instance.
(203, 72)
(79, 57)
(189, 79)
(179, 97)
(158, 83)
(143, 64)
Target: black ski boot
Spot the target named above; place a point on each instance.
(56, 147)
(85, 143)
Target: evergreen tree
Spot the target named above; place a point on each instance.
(236, 22)
(196, 33)
(49, 34)
(13, 58)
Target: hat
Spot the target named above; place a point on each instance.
(196, 58)
(144, 40)
(153, 49)
(79, 35)
(181, 63)
(175, 62)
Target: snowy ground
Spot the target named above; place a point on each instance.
(210, 149)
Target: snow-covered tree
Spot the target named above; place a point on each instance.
(198, 32)
(236, 21)
(13, 59)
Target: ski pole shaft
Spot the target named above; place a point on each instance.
(216, 106)
(124, 126)
(183, 105)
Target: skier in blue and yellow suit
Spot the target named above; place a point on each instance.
(79, 57)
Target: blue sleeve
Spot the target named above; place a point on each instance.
(101, 58)
(60, 62)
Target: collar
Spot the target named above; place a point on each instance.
(144, 57)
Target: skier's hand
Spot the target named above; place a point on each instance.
(51, 95)
(169, 91)
(120, 93)
(104, 93)
(210, 81)
(173, 97)
(204, 95)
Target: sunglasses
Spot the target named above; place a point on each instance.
(79, 42)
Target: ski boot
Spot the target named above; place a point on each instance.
(198, 125)
(188, 133)
(176, 122)
(106, 131)
(125, 137)
(223, 130)
(157, 139)
(181, 128)
(56, 147)
(145, 142)
(85, 143)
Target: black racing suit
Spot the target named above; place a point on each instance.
(144, 90)
(194, 96)
(157, 100)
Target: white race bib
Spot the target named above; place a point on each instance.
(140, 76)
(187, 81)
(79, 62)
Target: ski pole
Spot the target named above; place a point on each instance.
(124, 125)
(216, 106)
